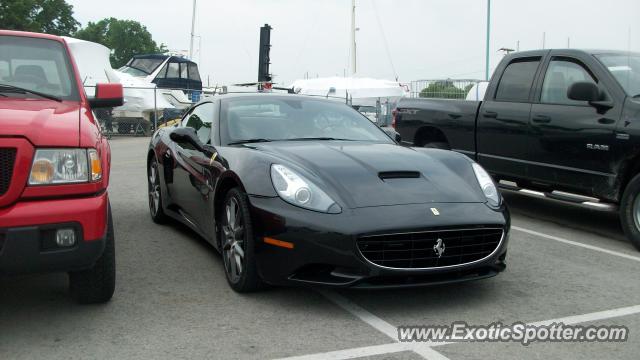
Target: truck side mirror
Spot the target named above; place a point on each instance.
(107, 96)
(583, 91)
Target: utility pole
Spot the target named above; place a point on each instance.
(486, 74)
(193, 29)
(544, 40)
(354, 48)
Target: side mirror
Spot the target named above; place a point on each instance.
(583, 91)
(392, 134)
(107, 96)
(186, 135)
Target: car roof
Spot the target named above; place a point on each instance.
(31, 35)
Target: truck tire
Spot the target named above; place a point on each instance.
(630, 211)
(437, 145)
(96, 285)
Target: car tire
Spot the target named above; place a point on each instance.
(97, 284)
(155, 193)
(630, 211)
(437, 145)
(238, 243)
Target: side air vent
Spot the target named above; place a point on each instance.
(399, 175)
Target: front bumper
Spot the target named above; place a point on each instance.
(27, 234)
(325, 251)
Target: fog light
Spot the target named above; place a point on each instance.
(65, 237)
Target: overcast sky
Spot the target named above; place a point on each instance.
(427, 39)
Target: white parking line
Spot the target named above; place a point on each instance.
(374, 321)
(575, 243)
(356, 352)
(422, 349)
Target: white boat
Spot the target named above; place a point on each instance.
(152, 83)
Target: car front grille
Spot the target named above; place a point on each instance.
(430, 249)
(7, 161)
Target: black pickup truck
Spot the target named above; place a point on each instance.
(558, 123)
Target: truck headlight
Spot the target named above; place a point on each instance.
(295, 189)
(65, 166)
(487, 185)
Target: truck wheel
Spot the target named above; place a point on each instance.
(437, 145)
(630, 211)
(96, 285)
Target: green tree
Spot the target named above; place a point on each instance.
(125, 38)
(445, 89)
(45, 16)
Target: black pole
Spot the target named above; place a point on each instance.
(265, 48)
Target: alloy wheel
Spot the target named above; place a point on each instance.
(154, 188)
(233, 231)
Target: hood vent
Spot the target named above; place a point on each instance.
(399, 175)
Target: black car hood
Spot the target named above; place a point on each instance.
(353, 170)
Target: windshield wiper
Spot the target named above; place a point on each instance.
(318, 138)
(19, 90)
(249, 141)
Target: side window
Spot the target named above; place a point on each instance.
(560, 75)
(183, 71)
(174, 71)
(194, 74)
(163, 72)
(201, 119)
(517, 80)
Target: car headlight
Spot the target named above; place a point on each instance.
(295, 189)
(487, 185)
(65, 166)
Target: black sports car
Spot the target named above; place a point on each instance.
(301, 190)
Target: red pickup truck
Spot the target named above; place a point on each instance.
(54, 167)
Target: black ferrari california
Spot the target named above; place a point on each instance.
(301, 190)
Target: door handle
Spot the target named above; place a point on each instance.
(491, 114)
(541, 119)
(606, 121)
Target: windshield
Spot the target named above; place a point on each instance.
(278, 119)
(141, 67)
(33, 64)
(626, 70)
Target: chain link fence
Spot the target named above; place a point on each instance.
(379, 112)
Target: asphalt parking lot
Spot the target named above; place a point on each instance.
(565, 263)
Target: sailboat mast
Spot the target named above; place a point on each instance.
(193, 29)
(354, 49)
